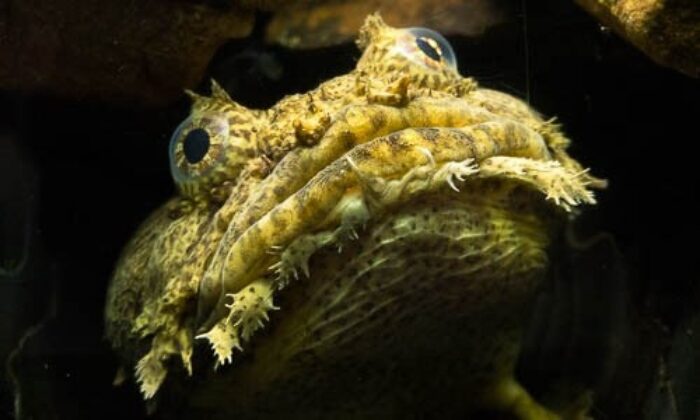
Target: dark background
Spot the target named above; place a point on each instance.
(76, 178)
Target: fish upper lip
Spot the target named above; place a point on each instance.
(448, 144)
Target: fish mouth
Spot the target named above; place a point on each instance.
(372, 160)
(220, 275)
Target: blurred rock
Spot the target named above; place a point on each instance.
(668, 31)
(132, 51)
(334, 22)
(145, 52)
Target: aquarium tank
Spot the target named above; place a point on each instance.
(349, 209)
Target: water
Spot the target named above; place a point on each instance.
(619, 316)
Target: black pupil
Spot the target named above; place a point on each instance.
(196, 145)
(428, 49)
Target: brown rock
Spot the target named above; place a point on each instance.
(146, 52)
(334, 22)
(130, 51)
(668, 31)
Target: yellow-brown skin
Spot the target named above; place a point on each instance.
(414, 205)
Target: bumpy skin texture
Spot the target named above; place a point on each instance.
(415, 206)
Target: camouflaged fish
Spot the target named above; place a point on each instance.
(366, 249)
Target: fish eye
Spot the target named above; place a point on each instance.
(197, 147)
(429, 48)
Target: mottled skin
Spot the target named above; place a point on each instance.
(415, 206)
